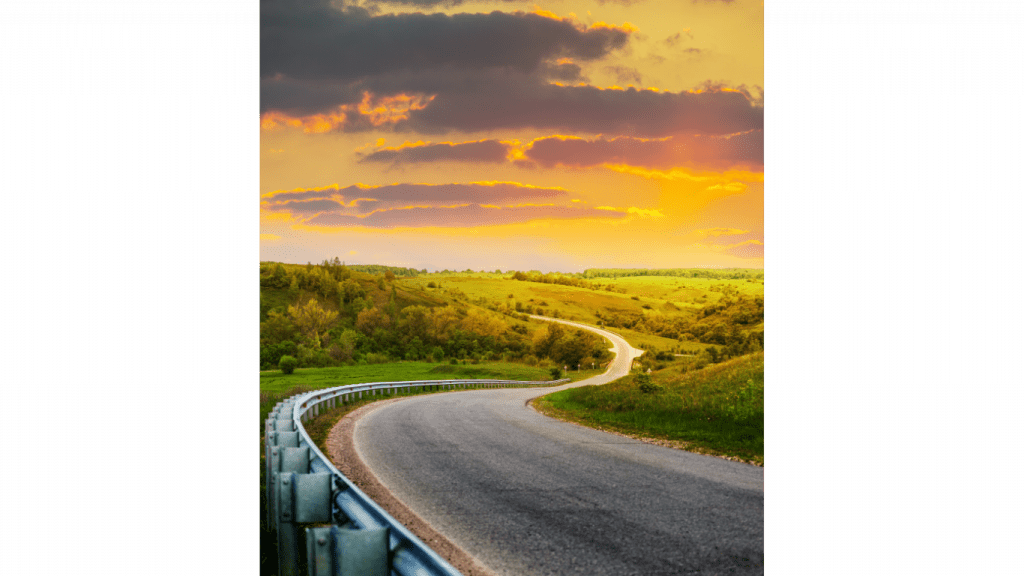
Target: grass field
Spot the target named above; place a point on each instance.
(716, 410)
(649, 295)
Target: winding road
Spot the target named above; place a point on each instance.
(528, 495)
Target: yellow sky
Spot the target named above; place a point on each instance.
(661, 186)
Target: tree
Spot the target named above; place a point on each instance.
(571, 349)
(372, 319)
(441, 323)
(545, 339)
(389, 275)
(277, 328)
(312, 320)
(483, 324)
(280, 277)
(416, 322)
(344, 346)
(350, 290)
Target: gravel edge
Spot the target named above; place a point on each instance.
(341, 450)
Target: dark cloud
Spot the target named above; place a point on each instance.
(308, 42)
(459, 216)
(746, 149)
(625, 74)
(299, 98)
(483, 151)
(302, 194)
(305, 206)
(404, 194)
(431, 3)
(467, 73)
(449, 3)
(502, 104)
(567, 72)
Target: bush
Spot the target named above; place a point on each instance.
(556, 373)
(375, 358)
(287, 364)
(645, 384)
(437, 354)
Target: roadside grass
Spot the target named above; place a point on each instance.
(715, 410)
(654, 342)
(315, 378)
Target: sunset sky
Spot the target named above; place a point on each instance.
(559, 135)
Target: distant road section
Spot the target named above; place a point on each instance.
(528, 495)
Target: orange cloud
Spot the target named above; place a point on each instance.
(372, 111)
(626, 27)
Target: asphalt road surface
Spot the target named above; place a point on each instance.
(529, 495)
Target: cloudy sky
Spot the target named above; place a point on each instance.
(558, 135)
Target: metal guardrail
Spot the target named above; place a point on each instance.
(304, 487)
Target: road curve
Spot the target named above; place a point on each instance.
(528, 495)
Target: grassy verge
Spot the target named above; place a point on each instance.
(716, 410)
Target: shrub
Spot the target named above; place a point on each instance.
(645, 384)
(287, 364)
(556, 373)
(375, 358)
(437, 354)
(431, 284)
(453, 361)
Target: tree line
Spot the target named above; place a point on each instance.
(709, 273)
(332, 315)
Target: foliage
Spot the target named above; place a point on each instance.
(270, 355)
(556, 373)
(551, 278)
(312, 320)
(730, 273)
(645, 385)
(288, 364)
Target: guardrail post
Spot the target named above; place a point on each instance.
(274, 442)
(332, 550)
(303, 498)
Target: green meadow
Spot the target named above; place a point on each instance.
(636, 307)
(718, 409)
